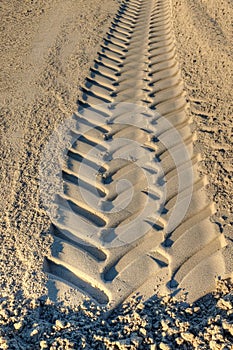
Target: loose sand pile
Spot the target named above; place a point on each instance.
(47, 51)
(162, 323)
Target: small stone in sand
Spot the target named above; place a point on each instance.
(18, 325)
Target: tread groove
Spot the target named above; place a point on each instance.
(136, 63)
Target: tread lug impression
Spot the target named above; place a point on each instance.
(109, 242)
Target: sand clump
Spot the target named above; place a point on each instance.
(163, 323)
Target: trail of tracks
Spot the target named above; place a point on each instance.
(93, 251)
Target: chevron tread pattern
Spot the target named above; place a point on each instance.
(136, 64)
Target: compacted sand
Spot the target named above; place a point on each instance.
(48, 48)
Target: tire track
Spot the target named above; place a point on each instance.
(193, 244)
(94, 250)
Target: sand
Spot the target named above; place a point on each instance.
(207, 72)
(48, 49)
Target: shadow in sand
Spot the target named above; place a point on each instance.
(41, 324)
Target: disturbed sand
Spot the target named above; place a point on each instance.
(48, 49)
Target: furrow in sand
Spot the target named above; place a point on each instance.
(81, 210)
(83, 180)
(103, 246)
(95, 252)
(68, 275)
